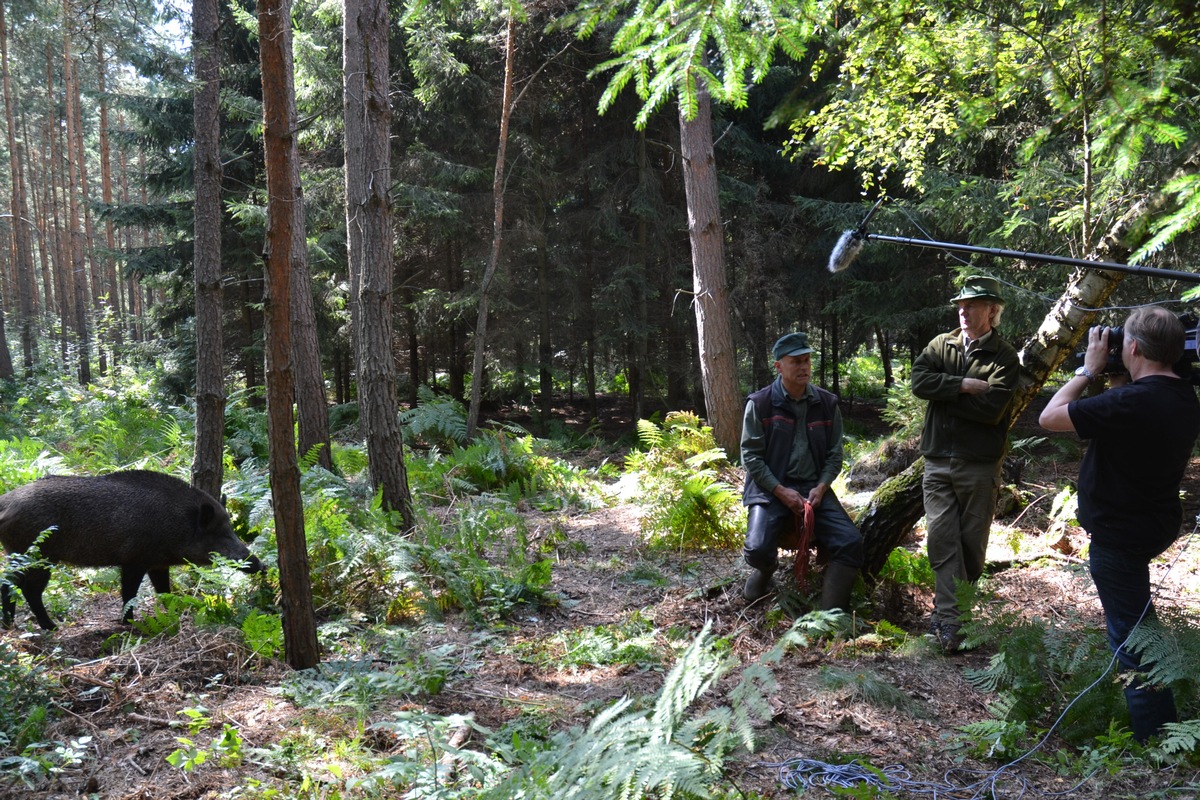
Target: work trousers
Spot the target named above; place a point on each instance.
(1123, 583)
(960, 499)
(834, 532)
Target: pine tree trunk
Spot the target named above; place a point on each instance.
(57, 236)
(640, 361)
(718, 364)
(22, 249)
(283, 195)
(39, 180)
(545, 347)
(455, 352)
(312, 406)
(74, 190)
(77, 153)
(133, 291)
(367, 114)
(208, 460)
(111, 282)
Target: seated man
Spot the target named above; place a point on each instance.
(792, 452)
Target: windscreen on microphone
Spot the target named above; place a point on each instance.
(846, 250)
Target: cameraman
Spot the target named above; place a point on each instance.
(1141, 437)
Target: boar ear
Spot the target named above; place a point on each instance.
(206, 514)
(224, 500)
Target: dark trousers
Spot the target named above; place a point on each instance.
(833, 532)
(1123, 584)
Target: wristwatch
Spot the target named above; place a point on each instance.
(1087, 373)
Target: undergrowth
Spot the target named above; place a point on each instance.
(478, 560)
(682, 479)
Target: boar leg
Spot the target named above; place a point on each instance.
(160, 579)
(6, 599)
(131, 579)
(32, 581)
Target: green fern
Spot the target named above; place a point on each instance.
(997, 740)
(635, 754)
(24, 460)
(1039, 667)
(903, 410)
(649, 434)
(436, 419)
(263, 634)
(681, 482)
(908, 569)
(866, 686)
(1181, 738)
(1170, 645)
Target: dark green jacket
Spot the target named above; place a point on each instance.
(968, 426)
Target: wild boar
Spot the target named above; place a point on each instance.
(141, 521)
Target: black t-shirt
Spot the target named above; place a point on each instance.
(1142, 436)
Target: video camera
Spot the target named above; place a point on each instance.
(1186, 367)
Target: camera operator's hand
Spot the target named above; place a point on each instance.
(1096, 357)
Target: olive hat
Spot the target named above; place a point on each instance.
(979, 287)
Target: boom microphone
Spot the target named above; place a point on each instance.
(851, 242)
(848, 246)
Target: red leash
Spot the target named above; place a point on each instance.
(803, 526)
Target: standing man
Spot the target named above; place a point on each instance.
(968, 376)
(1141, 438)
(792, 452)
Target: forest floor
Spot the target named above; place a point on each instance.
(128, 702)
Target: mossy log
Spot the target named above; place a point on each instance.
(890, 516)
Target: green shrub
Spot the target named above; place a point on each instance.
(360, 685)
(864, 375)
(355, 551)
(632, 643)
(24, 460)
(513, 465)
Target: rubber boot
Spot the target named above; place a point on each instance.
(838, 583)
(758, 585)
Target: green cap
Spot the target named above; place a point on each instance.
(792, 344)
(979, 287)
